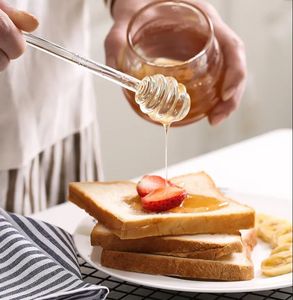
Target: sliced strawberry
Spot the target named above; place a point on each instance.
(163, 198)
(150, 183)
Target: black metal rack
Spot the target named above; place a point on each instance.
(120, 289)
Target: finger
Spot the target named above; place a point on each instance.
(234, 59)
(12, 41)
(21, 19)
(4, 60)
(114, 44)
(224, 108)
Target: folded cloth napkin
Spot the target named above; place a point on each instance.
(38, 261)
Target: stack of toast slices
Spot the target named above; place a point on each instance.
(211, 238)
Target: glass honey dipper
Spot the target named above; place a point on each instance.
(162, 98)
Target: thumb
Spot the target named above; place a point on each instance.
(114, 44)
(21, 19)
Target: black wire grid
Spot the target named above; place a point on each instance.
(120, 289)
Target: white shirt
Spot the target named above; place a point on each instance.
(43, 99)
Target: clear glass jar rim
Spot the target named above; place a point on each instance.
(183, 3)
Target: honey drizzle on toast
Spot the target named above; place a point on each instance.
(192, 203)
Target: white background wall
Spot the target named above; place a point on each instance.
(132, 146)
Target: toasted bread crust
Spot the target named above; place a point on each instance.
(93, 209)
(174, 246)
(161, 225)
(175, 266)
(200, 224)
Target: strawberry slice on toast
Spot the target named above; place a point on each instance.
(163, 198)
(150, 183)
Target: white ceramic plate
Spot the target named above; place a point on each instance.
(265, 204)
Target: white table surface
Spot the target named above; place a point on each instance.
(261, 165)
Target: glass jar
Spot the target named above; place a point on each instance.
(175, 38)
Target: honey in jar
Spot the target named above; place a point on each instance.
(175, 39)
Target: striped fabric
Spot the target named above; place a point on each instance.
(43, 183)
(38, 261)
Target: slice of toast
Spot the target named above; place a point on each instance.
(236, 266)
(115, 205)
(204, 246)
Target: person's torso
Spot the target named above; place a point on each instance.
(43, 99)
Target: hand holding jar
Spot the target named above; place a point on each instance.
(184, 39)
